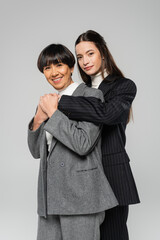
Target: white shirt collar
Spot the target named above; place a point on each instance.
(69, 90)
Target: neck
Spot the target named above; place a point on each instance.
(97, 79)
(63, 89)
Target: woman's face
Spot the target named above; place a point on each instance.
(58, 75)
(88, 57)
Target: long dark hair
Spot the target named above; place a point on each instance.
(108, 62)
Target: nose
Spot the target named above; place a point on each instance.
(85, 60)
(54, 71)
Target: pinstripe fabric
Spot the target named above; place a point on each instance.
(114, 225)
(118, 95)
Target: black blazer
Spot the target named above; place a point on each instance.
(113, 113)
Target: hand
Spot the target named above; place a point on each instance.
(39, 118)
(40, 114)
(49, 103)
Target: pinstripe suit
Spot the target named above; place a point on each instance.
(118, 94)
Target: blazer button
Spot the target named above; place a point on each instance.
(62, 164)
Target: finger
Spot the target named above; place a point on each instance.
(55, 94)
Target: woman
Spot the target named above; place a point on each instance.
(73, 191)
(98, 70)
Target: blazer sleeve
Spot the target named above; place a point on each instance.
(114, 110)
(34, 139)
(80, 137)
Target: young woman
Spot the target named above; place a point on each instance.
(73, 192)
(98, 70)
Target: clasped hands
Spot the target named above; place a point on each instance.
(48, 104)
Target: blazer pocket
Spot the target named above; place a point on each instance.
(87, 170)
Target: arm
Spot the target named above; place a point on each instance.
(39, 118)
(114, 110)
(34, 139)
(80, 137)
(35, 131)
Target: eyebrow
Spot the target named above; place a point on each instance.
(86, 52)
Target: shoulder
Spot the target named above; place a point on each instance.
(92, 92)
(124, 84)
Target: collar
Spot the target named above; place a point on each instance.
(97, 79)
(69, 90)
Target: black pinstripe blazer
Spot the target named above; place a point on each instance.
(113, 113)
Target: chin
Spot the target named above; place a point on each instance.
(57, 88)
(91, 73)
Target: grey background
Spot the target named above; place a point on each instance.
(131, 29)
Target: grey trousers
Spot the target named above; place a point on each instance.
(75, 227)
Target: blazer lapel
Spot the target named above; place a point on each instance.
(53, 143)
(44, 146)
(107, 84)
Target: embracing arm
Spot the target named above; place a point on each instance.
(80, 137)
(114, 110)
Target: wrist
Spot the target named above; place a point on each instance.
(51, 113)
(38, 120)
(36, 123)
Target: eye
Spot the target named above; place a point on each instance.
(91, 53)
(79, 57)
(59, 64)
(46, 68)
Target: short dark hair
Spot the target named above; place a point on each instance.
(53, 54)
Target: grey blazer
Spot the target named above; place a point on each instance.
(71, 178)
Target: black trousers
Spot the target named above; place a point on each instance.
(114, 226)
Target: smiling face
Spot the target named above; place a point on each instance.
(89, 57)
(58, 75)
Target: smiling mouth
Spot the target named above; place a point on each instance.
(57, 80)
(88, 68)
